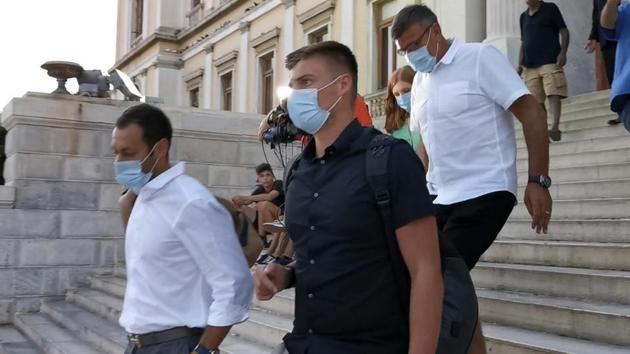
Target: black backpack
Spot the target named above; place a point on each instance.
(459, 307)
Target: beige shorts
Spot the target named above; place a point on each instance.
(544, 81)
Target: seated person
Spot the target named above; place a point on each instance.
(262, 207)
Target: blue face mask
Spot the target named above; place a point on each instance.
(304, 110)
(404, 101)
(129, 173)
(421, 60)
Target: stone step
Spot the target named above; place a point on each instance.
(512, 340)
(606, 323)
(12, 341)
(99, 332)
(587, 97)
(235, 344)
(573, 107)
(282, 303)
(586, 145)
(113, 285)
(577, 113)
(595, 285)
(602, 132)
(586, 189)
(50, 337)
(580, 173)
(578, 123)
(614, 208)
(575, 230)
(592, 255)
(98, 302)
(265, 328)
(594, 157)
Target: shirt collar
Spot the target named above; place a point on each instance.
(342, 144)
(164, 178)
(451, 52)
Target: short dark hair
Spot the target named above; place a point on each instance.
(154, 123)
(410, 15)
(340, 55)
(263, 167)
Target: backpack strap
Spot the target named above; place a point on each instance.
(377, 161)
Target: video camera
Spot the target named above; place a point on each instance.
(283, 137)
(280, 129)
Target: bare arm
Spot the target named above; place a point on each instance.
(424, 156)
(534, 119)
(418, 243)
(213, 336)
(564, 43)
(609, 14)
(265, 197)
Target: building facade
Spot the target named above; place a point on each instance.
(229, 54)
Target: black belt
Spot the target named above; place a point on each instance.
(143, 340)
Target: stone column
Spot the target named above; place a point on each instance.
(347, 24)
(168, 79)
(287, 34)
(503, 26)
(242, 78)
(208, 73)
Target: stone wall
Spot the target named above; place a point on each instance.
(58, 215)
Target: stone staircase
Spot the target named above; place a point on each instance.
(565, 292)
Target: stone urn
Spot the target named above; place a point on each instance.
(62, 71)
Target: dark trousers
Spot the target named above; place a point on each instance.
(472, 226)
(178, 346)
(624, 115)
(609, 54)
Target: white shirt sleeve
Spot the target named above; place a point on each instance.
(498, 79)
(207, 232)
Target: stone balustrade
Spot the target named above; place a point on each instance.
(58, 209)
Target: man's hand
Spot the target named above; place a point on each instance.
(269, 280)
(539, 204)
(562, 59)
(591, 46)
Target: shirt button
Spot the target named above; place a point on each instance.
(316, 195)
(310, 296)
(310, 331)
(312, 261)
(312, 228)
(323, 162)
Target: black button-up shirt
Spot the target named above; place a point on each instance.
(346, 297)
(540, 35)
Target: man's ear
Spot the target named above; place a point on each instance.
(162, 147)
(346, 83)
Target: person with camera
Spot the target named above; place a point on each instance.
(346, 296)
(464, 100)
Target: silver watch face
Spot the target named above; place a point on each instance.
(545, 181)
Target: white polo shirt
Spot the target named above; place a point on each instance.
(185, 266)
(461, 111)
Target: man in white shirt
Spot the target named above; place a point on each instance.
(187, 279)
(463, 101)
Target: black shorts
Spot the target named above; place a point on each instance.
(472, 226)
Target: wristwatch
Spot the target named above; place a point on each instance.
(199, 349)
(543, 181)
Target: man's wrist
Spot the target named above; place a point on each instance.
(200, 349)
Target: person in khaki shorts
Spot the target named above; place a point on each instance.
(543, 57)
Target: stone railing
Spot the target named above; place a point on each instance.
(59, 222)
(376, 104)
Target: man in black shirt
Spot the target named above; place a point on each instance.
(542, 57)
(346, 298)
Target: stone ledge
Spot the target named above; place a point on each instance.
(7, 197)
